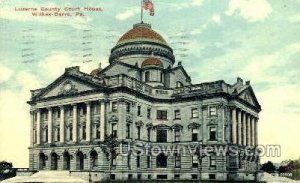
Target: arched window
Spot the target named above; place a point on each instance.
(147, 76)
(179, 84)
(79, 161)
(66, 161)
(93, 159)
(161, 161)
(54, 158)
(42, 161)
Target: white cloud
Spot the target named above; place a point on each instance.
(216, 18)
(5, 73)
(197, 2)
(295, 18)
(251, 10)
(128, 13)
(186, 4)
(294, 48)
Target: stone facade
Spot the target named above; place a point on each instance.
(143, 108)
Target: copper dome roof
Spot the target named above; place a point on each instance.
(152, 62)
(141, 32)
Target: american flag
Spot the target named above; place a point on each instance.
(148, 5)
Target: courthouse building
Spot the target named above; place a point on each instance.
(143, 98)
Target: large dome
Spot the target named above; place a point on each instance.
(140, 43)
(141, 33)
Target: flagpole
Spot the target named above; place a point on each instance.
(141, 11)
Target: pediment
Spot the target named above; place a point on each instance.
(66, 86)
(248, 96)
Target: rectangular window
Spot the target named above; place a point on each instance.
(177, 114)
(138, 110)
(129, 161)
(128, 107)
(57, 134)
(129, 176)
(212, 176)
(138, 160)
(162, 115)
(212, 162)
(149, 113)
(34, 136)
(149, 134)
(212, 133)
(83, 132)
(114, 106)
(177, 176)
(177, 135)
(177, 160)
(195, 161)
(161, 135)
(127, 130)
(113, 162)
(97, 131)
(212, 111)
(114, 130)
(194, 176)
(148, 161)
(138, 132)
(71, 133)
(194, 134)
(195, 113)
(139, 176)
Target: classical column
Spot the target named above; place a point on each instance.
(233, 132)
(256, 134)
(248, 130)
(88, 121)
(253, 131)
(102, 120)
(244, 128)
(239, 127)
(62, 124)
(74, 123)
(49, 125)
(31, 127)
(38, 127)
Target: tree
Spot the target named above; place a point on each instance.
(109, 147)
(6, 170)
(268, 167)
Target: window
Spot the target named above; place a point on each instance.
(129, 161)
(71, 133)
(112, 176)
(127, 107)
(149, 134)
(149, 176)
(147, 76)
(212, 161)
(114, 107)
(195, 113)
(195, 161)
(213, 111)
(148, 161)
(97, 131)
(138, 132)
(177, 176)
(139, 176)
(46, 134)
(127, 130)
(114, 130)
(34, 136)
(177, 160)
(83, 132)
(35, 116)
(113, 160)
(194, 134)
(225, 133)
(129, 176)
(177, 135)
(161, 161)
(162, 115)
(179, 84)
(57, 134)
(194, 176)
(138, 110)
(161, 77)
(138, 160)
(177, 114)
(212, 133)
(212, 176)
(149, 113)
(161, 135)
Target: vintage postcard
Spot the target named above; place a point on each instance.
(149, 90)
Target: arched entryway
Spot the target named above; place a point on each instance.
(42, 161)
(93, 159)
(66, 160)
(54, 158)
(79, 161)
(161, 161)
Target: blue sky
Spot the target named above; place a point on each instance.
(258, 40)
